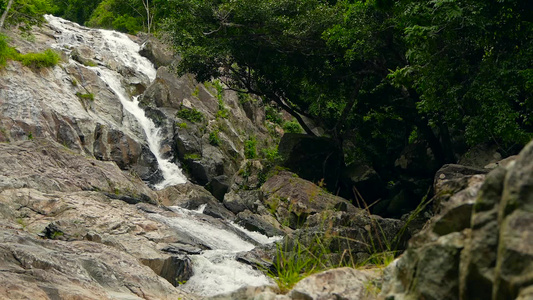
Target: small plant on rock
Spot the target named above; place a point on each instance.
(214, 139)
(191, 115)
(250, 148)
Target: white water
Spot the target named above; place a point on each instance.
(114, 48)
(215, 271)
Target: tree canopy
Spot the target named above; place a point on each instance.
(377, 72)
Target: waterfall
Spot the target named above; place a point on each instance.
(216, 270)
(118, 47)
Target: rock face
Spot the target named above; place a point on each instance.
(67, 229)
(480, 244)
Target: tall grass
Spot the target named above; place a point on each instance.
(297, 261)
(48, 58)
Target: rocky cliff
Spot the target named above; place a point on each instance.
(121, 180)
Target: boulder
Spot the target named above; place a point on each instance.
(261, 224)
(43, 269)
(365, 180)
(341, 283)
(157, 52)
(292, 199)
(194, 197)
(479, 245)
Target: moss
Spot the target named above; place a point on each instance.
(192, 156)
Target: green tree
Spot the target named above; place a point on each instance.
(470, 63)
(24, 13)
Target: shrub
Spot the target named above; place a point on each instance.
(250, 148)
(88, 96)
(272, 115)
(48, 58)
(292, 127)
(191, 115)
(213, 138)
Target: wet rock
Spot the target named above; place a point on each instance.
(313, 158)
(258, 223)
(240, 200)
(175, 269)
(194, 197)
(178, 248)
(218, 186)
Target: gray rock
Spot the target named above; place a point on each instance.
(514, 267)
(40, 269)
(157, 52)
(341, 283)
(293, 199)
(258, 223)
(478, 246)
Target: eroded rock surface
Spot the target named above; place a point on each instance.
(479, 245)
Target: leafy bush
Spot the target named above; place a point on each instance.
(214, 139)
(89, 96)
(48, 58)
(292, 127)
(4, 50)
(272, 115)
(250, 148)
(191, 115)
(271, 154)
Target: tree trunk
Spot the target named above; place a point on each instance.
(4, 15)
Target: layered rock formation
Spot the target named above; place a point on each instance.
(480, 244)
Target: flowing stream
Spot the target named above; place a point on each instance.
(119, 48)
(215, 271)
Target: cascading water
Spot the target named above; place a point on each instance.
(117, 47)
(215, 271)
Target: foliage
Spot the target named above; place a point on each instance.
(273, 115)
(27, 13)
(250, 148)
(191, 115)
(214, 139)
(88, 96)
(6, 52)
(380, 71)
(192, 156)
(78, 11)
(292, 127)
(48, 58)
